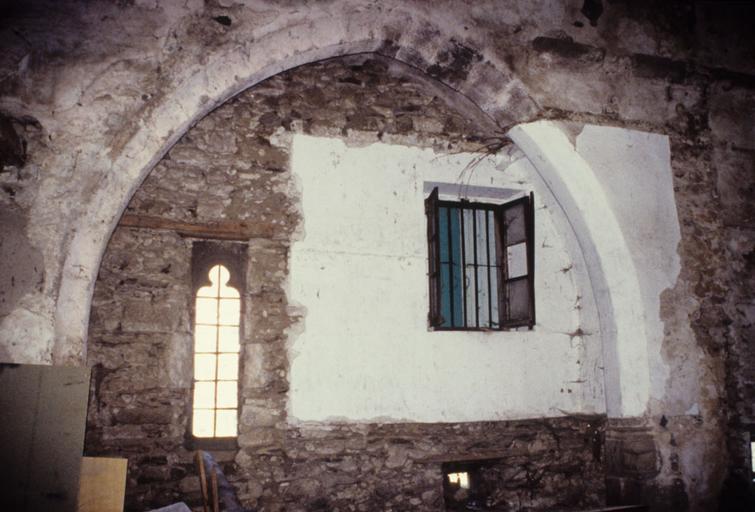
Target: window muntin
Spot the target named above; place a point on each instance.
(481, 264)
(216, 357)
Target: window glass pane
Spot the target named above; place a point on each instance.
(516, 256)
(494, 257)
(228, 367)
(226, 423)
(518, 293)
(482, 237)
(457, 289)
(212, 290)
(445, 294)
(229, 312)
(216, 376)
(204, 367)
(204, 338)
(228, 339)
(468, 235)
(515, 228)
(469, 295)
(227, 394)
(202, 423)
(494, 312)
(483, 306)
(484, 256)
(468, 219)
(460, 479)
(207, 311)
(443, 233)
(225, 290)
(494, 271)
(204, 395)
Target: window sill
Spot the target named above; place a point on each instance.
(213, 443)
(510, 328)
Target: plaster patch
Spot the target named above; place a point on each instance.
(374, 358)
(27, 337)
(634, 170)
(21, 264)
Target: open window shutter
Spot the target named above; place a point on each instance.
(433, 244)
(517, 251)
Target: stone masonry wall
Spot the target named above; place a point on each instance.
(94, 90)
(231, 169)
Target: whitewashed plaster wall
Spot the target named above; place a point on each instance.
(612, 184)
(359, 272)
(634, 170)
(605, 212)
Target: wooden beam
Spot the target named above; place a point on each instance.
(226, 230)
(464, 457)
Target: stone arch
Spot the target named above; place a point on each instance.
(612, 272)
(483, 85)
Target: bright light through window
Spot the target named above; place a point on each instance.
(460, 479)
(216, 357)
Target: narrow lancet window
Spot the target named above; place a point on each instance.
(216, 357)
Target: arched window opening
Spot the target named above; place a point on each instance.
(216, 357)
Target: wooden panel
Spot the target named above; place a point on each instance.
(42, 436)
(102, 486)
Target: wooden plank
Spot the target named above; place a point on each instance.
(620, 508)
(102, 486)
(227, 230)
(42, 436)
(202, 481)
(222, 490)
(465, 457)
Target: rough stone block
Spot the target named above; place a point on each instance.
(566, 50)
(142, 315)
(660, 68)
(142, 416)
(258, 438)
(258, 375)
(736, 185)
(260, 413)
(725, 117)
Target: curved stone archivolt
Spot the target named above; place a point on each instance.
(458, 72)
(121, 85)
(466, 72)
(613, 276)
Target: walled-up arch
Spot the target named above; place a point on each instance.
(485, 88)
(427, 44)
